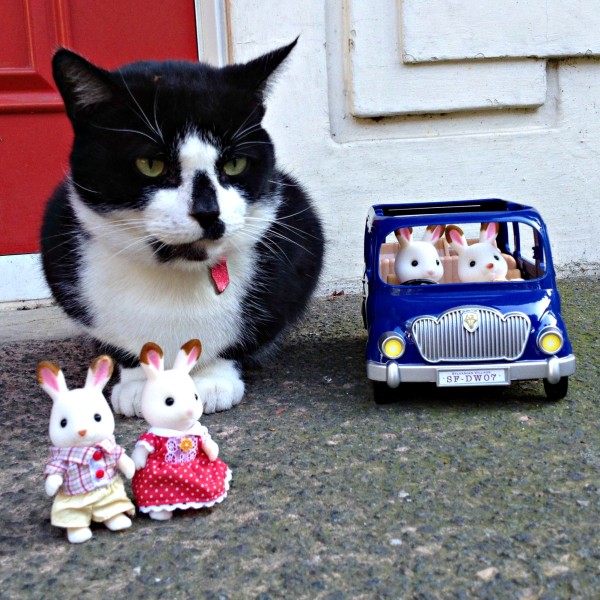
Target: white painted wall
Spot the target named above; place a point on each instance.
(521, 128)
(370, 109)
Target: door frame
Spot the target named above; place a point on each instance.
(212, 31)
(22, 282)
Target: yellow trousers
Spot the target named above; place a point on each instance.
(98, 505)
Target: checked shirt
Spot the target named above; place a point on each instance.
(85, 469)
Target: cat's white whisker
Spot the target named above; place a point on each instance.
(121, 130)
(272, 235)
(254, 143)
(71, 180)
(281, 183)
(269, 244)
(141, 112)
(142, 242)
(285, 226)
(240, 129)
(158, 129)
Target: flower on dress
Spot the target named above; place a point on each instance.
(186, 444)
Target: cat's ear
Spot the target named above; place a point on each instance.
(81, 84)
(254, 75)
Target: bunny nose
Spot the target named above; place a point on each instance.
(82, 432)
(490, 265)
(189, 412)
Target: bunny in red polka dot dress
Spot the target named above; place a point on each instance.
(177, 464)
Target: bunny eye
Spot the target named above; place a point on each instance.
(414, 263)
(63, 423)
(472, 263)
(97, 417)
(196, 396)
(437, 262)
(496, 257)
(170, 401)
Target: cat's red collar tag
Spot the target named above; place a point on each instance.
(220, 275)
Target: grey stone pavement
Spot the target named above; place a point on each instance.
(479, 493)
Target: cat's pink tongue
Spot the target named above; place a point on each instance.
(220, 275)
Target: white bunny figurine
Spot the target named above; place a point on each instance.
(176, 460)
(418, 260)
(82, 472)
(481, 261)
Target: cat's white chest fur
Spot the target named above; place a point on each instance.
(169, 307)
(162, 303)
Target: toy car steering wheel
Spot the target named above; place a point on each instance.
(419, 282)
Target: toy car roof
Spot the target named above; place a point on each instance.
(482, 210)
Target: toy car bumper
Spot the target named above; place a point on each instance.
(552, 369)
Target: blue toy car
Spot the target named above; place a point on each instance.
(445, 327)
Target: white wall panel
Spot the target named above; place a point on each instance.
(381, 85)
(438, 30)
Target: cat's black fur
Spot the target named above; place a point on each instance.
(147, 110)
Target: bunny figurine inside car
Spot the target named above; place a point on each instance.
(82, 472)
(176, 460)
(481, 261)
(418, 262)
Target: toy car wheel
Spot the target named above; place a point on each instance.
(556, 391)
(383, 393)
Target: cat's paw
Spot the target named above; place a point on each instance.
(126, 397)
(219, 386)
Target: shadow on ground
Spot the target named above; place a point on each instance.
(486, 492)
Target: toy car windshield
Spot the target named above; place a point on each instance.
(461, 253)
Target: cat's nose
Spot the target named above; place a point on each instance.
(213, 227)
(206, 218)
(205, 207)
(82, 432)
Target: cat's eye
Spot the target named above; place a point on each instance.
(472, 263)
(97, 417)
(63, 423)
(150, 167)
(414, 263)
(235, 166)
(170, 401)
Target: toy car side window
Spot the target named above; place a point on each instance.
(529, 251)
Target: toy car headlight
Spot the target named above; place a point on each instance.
(550, 340)
(392, 345)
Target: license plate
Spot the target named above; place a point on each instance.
(464, 377)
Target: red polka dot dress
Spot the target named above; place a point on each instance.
(178, 473)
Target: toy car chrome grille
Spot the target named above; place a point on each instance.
(470, 334)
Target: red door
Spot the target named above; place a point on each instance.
(35, 134)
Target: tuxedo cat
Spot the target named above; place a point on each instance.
(174, 221)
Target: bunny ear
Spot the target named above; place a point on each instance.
(404, 236)
(488, 232)
(152, 360)
(456, 238)
(433, 233)
(52, 380)
(188, 355)
(99, 372)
